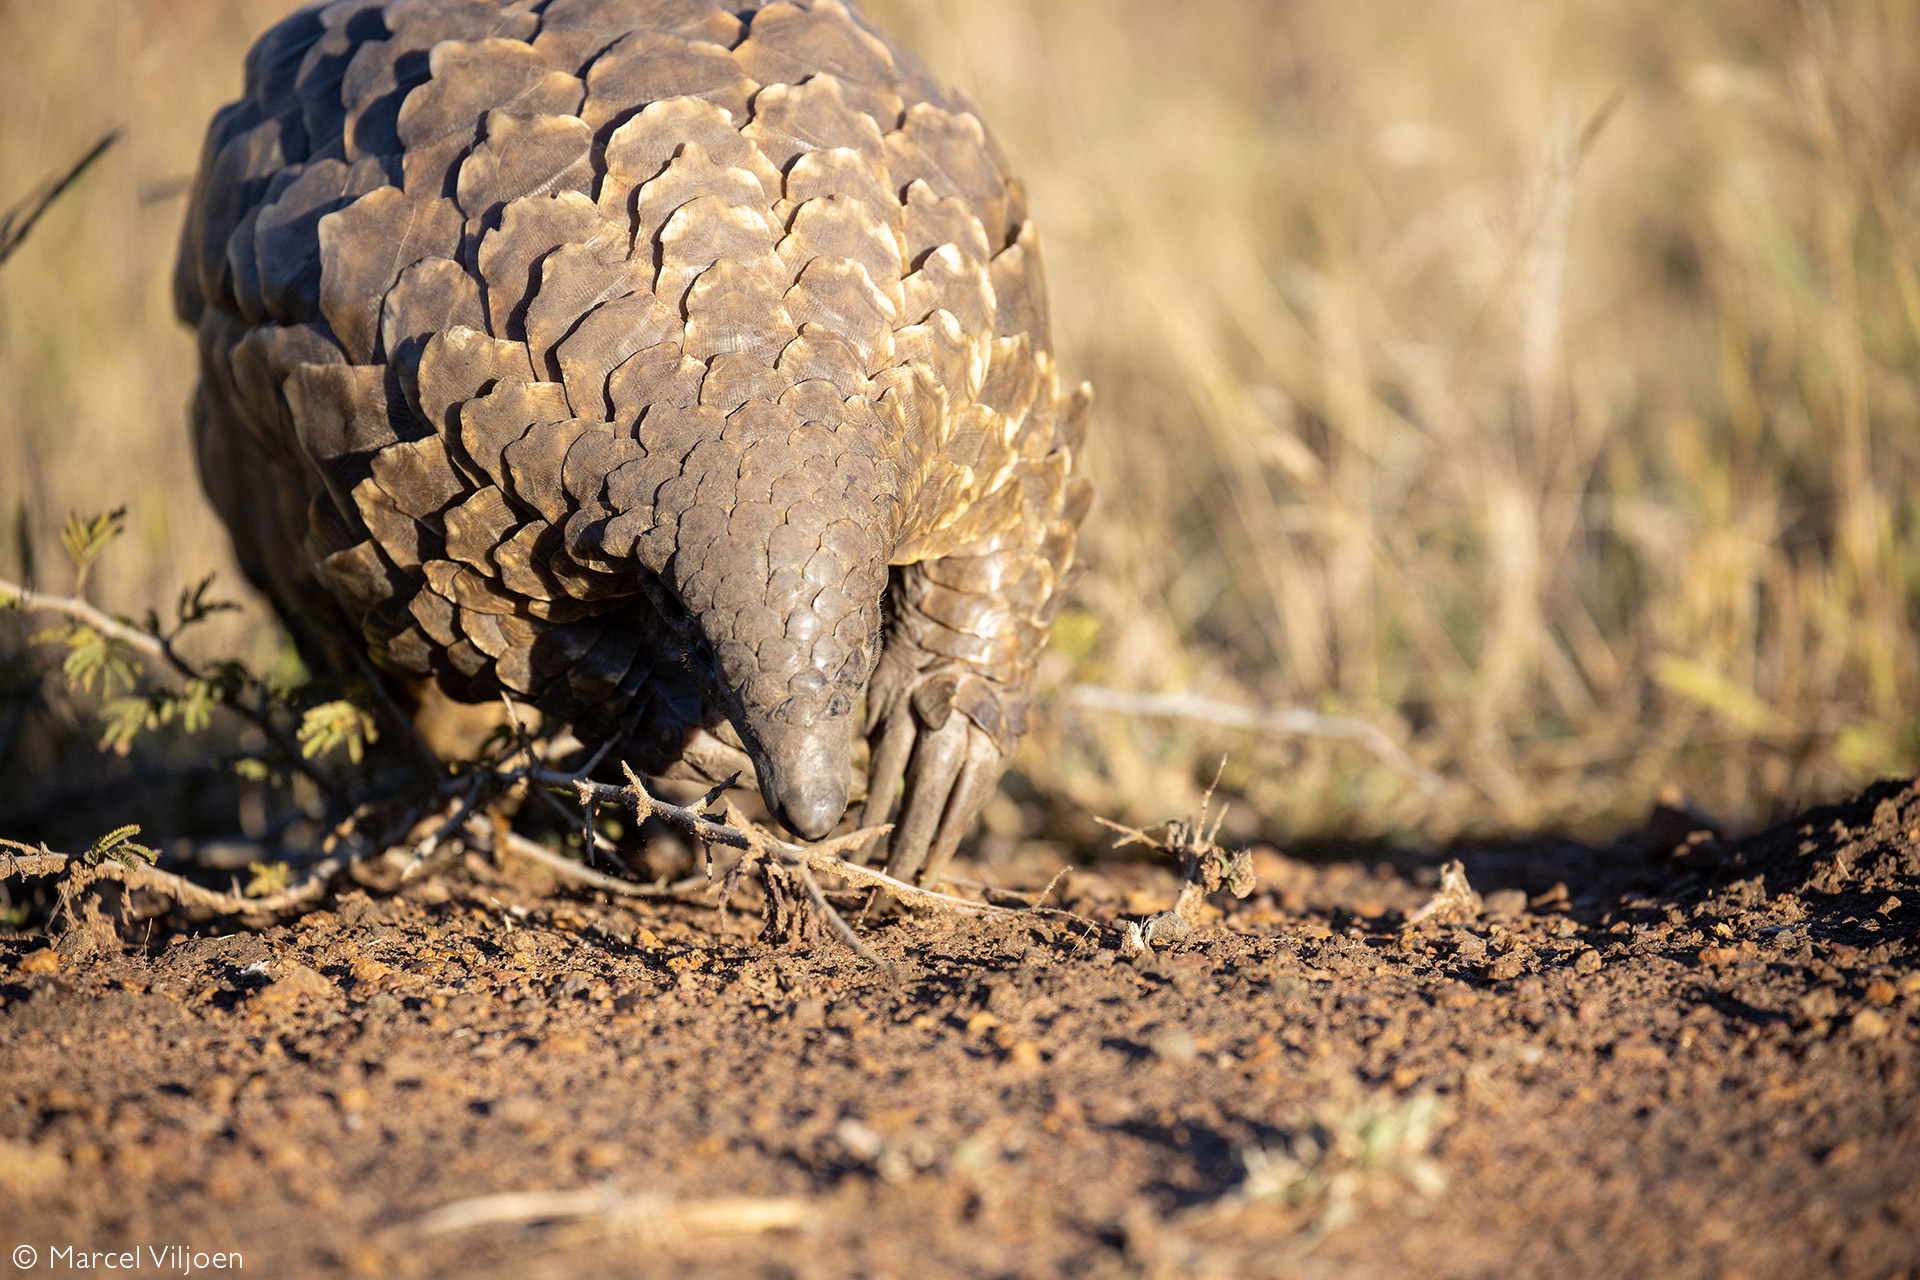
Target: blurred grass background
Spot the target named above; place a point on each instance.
(1536, 383)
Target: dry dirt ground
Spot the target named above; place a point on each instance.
(1642, 1063)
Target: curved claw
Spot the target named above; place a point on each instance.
(978, 776)
(888, 765)
(938, 757)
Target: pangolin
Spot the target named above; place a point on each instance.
(680, 368)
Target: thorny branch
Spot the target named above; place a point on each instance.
(25, 860)
(468, 815)
(468, 810)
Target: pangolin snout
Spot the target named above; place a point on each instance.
(812, 807)
(786, 641)
(807, 774)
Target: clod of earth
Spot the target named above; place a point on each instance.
(684, 375)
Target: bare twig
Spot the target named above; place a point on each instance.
(593, 839)
(653, 1215)
(1025, 898)
(839, 922)
(793, 860)
(457, 813)
(19, 220)
(89, 615)
(1291, 721)
(1205, 868)
(680, 891)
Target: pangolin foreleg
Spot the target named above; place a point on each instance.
(948, 703)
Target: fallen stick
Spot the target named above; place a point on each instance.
(488, 836)
(1293, 721)
(820, 857)
(662, 1215)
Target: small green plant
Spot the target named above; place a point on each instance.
(94, 660)
(332, 725)
(105, 655)
(119, 845)
(268, 878)
(87, 537)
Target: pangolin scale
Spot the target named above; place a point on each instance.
(680, 368)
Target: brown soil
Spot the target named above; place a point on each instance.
(1687, 1064)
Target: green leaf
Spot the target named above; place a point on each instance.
(87, 536)
(268, 878)
(252, 769)
(119, 845)
(332, 725)
(93, 658)
(195, 607)
(196, 704)
(125, 718)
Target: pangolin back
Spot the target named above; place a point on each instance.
(619, 355)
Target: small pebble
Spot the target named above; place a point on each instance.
(294, 982)
(1868, 1025)
(1587, 961)
(45, 960)
(860, 1142)
(1025, 1053)
(368, 970)
(1505, 904)
(1880, 991)
(1173, 1044)
(1507, 967)
(602, 1156)
(810, 1013)
(1819, 1003)
(1637, 1049)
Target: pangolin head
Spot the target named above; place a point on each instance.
(778, 538)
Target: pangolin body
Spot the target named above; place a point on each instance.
(678, 367)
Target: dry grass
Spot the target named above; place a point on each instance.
(1535, 382)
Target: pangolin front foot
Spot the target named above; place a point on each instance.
(949, 764)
